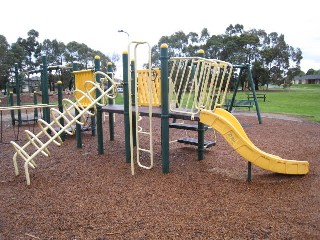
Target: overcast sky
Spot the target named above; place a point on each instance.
(96, 23)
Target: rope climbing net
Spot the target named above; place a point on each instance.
(197, 83)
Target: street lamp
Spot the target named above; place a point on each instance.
(122, 31)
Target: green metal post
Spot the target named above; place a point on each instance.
(35, 102)
(133, 79)
(133, 97)
(75, 67)
(60, 106)
(254, 92)
(12, 111)
(111, 101)
(17, 79)
(45, 94)
(164, 108)
(97, 65)
(249, 177)
(126, 92)
(236, 86)
(93, 117)
(200, 126)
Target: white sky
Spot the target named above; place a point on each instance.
(96, 23)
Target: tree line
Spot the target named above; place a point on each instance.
(27, 52)
(273, 61)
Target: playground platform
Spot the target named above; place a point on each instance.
(144, 111)
(156, 112)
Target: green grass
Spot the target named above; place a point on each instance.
(302, 100)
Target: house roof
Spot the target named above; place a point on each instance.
(307, 77)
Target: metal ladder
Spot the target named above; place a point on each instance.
(140, 131)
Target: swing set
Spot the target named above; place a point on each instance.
(248, 103)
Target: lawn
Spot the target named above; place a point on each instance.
(302, 100)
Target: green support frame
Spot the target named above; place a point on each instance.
(245, 67)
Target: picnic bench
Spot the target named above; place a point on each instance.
(240, 103)
(258, 95)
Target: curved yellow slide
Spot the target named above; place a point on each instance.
(230, 128)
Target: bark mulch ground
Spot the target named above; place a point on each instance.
(78, 194)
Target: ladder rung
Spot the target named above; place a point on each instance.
(144, 150)
(147, 133)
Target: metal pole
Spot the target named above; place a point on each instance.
(45, 95)
(200, 125)
(122, 31)
(75, 67)
(12, 111)
(254, 92)
(60, 106)
(17, 79)
(133, 100)
(235, 90)
(164, 108)
(110, 101)
(97, 65)
(126, 92)
(35, 102)
(249, 177)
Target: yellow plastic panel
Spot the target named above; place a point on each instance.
(143, 88)
(80, 78)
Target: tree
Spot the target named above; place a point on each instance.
(310, 71)
(79, 52)
(181, 45)
(32, 50)
(272, 59)
(54, 50)
(4, 62)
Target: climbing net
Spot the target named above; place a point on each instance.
(197, 83)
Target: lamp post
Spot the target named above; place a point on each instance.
(122, 31)
(121, 66)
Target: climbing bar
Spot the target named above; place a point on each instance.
(26, 107)
(48, 129)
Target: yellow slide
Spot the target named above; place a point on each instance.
(230, 128)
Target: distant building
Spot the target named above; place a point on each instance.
(307, 79)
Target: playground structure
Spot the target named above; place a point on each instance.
(143, 87)
(207, 83)
(44, 92)
(191, 89)
(64, 119)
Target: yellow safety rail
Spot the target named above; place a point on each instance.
(143, 88)
(197, 83)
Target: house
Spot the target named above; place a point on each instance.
(307, 79)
